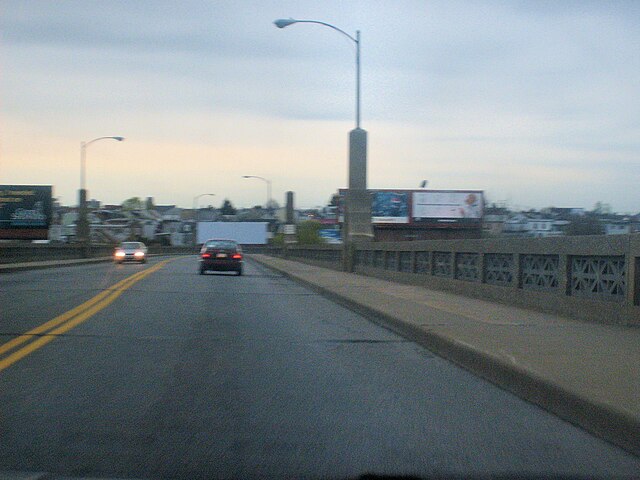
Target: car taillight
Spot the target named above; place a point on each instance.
(206, 255)
(236, 256)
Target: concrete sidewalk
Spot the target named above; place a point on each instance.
(586, 373)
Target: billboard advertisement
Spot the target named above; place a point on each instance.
(439, 208)
(447, 206)
(330, 235)
(25, 211)
(389, 206)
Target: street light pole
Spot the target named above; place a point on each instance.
(195, 199)
(285, 22)
(357, 225)
(357, 40)
(82, 226)
(268, 182)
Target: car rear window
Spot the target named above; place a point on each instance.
(221, 244)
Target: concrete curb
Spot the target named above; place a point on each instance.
(604, 421)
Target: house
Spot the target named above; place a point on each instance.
(532, 225)
(621, 226)
(494, 220)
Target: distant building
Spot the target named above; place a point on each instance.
(564, 213)
(521, 225)
(494, 220)
(617, 227)
(544, 227)
(169, 212)
(516, 225)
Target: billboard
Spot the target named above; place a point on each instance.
(389, 206)
(330, 235)
(455, 206)
(25, 211)
(437, 208)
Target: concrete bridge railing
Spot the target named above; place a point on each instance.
(596, 278)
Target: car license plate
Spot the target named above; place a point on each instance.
(221, 255)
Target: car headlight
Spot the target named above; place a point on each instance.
(139, 254)
(120, 254)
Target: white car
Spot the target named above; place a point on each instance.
(130, 252)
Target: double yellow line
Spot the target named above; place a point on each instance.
(48, 331)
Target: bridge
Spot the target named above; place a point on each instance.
(305, 369)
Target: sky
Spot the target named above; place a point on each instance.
(535, 102)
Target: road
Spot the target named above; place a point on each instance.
(182, 376)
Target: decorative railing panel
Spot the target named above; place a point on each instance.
(442, 266)
(390, 261)
(599, 277)
(368, 257)
(422, 262)
(498, 268)
(468, 267)
(378, 258)
(540, 272)
(404, 263)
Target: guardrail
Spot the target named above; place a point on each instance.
(588, 277)
(328, 256)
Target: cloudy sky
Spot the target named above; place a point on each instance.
(535, 102)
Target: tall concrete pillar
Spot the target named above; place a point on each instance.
(289, 209)
(82, 223)
(358, 200)
(290, 234)
(357, 204)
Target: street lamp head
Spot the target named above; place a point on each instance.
(284, 22)
(118, 138)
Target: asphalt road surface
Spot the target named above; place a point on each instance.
(183, 376)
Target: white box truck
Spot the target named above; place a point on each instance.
(245, 233)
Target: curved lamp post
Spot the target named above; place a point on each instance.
(195, 199)
(83, 224)
(357, 226)
(268, 182)
(285, 22)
